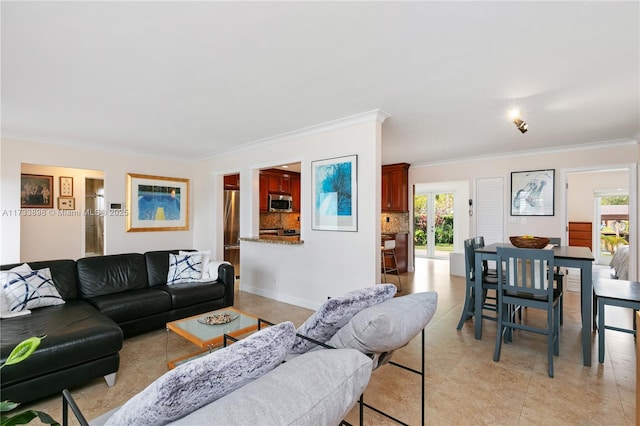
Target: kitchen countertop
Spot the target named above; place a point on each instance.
(275, 239)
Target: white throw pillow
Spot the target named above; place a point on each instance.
(201, 381)
(206, 257)
(212, 270)
(30, 289)
(5, 312)
(184, 268)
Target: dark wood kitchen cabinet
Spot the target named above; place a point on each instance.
(264, 193)
(280, 183)
(295, 192)
(395, 188)
(232, 182)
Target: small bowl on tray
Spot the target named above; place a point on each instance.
(217, 319)
(529, 242)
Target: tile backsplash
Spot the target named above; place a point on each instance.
(398, 223)
(279, 220)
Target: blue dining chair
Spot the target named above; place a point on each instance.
(489, 282)
(558, 277)
(527, 281)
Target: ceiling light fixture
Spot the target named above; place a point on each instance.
(521, 125)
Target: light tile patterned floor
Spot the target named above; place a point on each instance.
(463, 384)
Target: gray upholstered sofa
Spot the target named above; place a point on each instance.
(320, 380)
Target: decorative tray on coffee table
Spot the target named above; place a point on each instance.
(217, 319)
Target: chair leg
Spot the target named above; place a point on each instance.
(467, 310)
(501, 312)
(601, 330)
(395, 264)
(550, 339)
(384, 266)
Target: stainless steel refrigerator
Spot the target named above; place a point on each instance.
(232, 229)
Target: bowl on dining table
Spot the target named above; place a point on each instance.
(529, 241)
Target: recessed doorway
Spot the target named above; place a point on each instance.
(93, 218)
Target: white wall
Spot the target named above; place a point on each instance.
(328, 263)
(612, 155)
(580, 197)
(44, 229)
(114, 166)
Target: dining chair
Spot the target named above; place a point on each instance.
(527, 281)
(622, 293)
(489, 282)
(558, 277)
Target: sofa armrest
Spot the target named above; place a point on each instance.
(226, 276)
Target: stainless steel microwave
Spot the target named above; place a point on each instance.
(280, 203)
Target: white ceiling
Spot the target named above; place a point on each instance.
(191, 79)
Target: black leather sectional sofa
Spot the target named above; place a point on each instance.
(106, 298)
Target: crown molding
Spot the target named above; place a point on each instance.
(566, 148)
(376, 115)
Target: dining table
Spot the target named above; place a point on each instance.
(567, 256)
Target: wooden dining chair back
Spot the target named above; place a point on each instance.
(527, 282)
(488, 283)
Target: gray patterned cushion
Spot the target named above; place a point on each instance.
(201, 381)
(27, 289)
(389, 325)
(184, 268)
(336, 312)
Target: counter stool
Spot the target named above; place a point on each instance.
(615, 293)
(388, 250)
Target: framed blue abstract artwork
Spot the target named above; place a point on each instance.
(335, 194)
(157, 203)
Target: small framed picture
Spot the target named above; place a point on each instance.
(66, 186)
(66, 203)
(36, 191)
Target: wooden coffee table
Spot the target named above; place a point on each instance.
(209, 337)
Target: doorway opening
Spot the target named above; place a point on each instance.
(612, 213)
(433, 224)
(94, 222)
(231, 218)
(582, 188)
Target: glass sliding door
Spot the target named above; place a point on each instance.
(433, 224)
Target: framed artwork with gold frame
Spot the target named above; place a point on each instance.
(157, 203)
